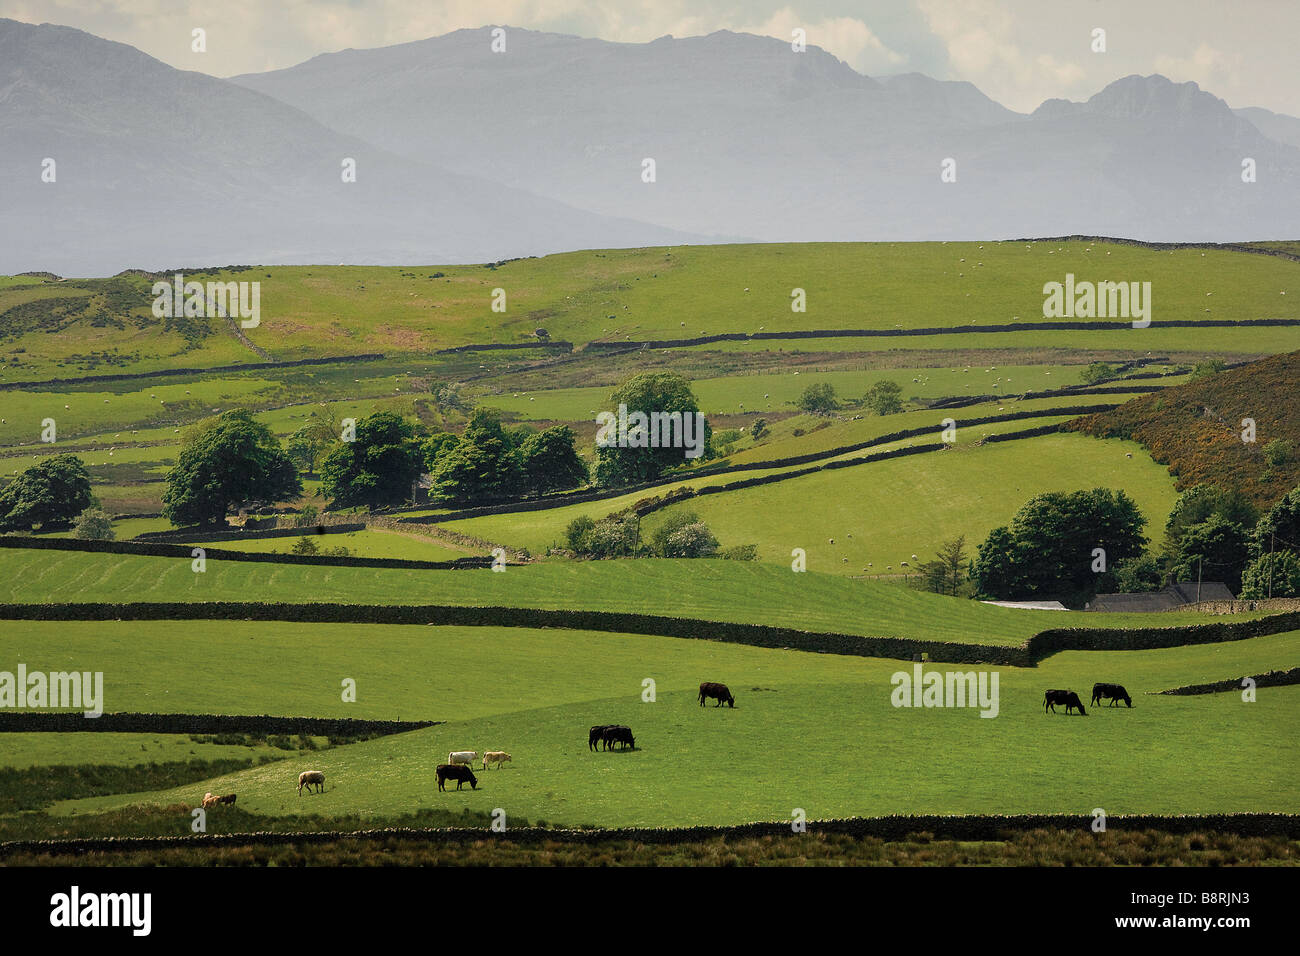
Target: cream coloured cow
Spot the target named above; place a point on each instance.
(466, 757)
(497, 757)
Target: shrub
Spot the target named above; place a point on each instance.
(93, 525)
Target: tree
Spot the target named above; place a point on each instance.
(435, 446)
(1049, 549)
(952, 558)
(1279, 528)
(50, 493)
(575, 535)
(1272, 575)
(758, 429)
(884, 398)
(694, 540)
(482, 466)
(1138, 575)
(649, 392)
(93, 524)
(1199, 503)
(308, 444)
(672, 522)
(233, 461)
(1206, 369)
(550, 461)
(1214, 550)
(378, 468)
(818, 399)
(1097, 372)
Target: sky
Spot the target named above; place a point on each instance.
(1019, 52)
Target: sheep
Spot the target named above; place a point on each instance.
(309, 779)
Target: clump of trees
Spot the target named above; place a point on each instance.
(1048, 551)
(882, 398)
(681, 534)
(648, 392)
(225, 463)
(1212, 534)
(94, 524)
(489, 461)
(948, 572)
(48, 495)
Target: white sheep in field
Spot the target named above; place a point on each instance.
(309, 779)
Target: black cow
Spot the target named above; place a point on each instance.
(718, 692)
(1113, 692)
(618, 735)
(596, 735)
(1067, 697)
(458, 772)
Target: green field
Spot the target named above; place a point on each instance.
(811, 731)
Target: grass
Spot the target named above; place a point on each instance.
(865, 756)
(744, 592)
(882, 513)
(371, 543)
(638, 294)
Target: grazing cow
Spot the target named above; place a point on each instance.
(209, 801)
(309, 779)
(458, 772)
(497, 757)
(463, 756)
(228, 798)
(596, 735)
(618, 735)
(1067, 697)
(718, 692)
(1114, 692)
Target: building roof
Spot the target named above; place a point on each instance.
(1174, 596)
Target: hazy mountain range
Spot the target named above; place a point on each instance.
(463, 154)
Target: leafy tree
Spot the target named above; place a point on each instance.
(1272, 575)
(952, 558)
(1206, 369)
(551, 462)
(818, 399)
(884, 398)
(378, 468)
(1216, 549)
(1279, 528)
(93, 524)
(304, 545)
(672, 522)
(51, 493)
(691, 541)
(616, 536)
(575, 535)
(648, 392)
(1139, 575)
(1201, 502)
(482, 466)
(234, 461)
(435, 446)
(1047, 550)
(1097, 372)
(309, 443)
(758, 429)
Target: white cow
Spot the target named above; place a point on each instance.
(497, 757)
(466, 757)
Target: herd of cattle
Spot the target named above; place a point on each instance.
(1112, 692)
(459, 765)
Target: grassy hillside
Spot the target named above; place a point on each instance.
(636, 294)
(1196, 428)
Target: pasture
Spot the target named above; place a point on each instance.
(809, 731)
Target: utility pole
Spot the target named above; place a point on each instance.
(1199, 564)
(1271, 545)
